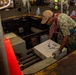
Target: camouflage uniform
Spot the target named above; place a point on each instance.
(65, 24)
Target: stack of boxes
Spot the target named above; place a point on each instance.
(46, 48)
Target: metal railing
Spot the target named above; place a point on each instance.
(5, 6)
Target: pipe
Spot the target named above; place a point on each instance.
(5, 6)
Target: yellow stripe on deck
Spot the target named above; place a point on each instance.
(65, 66)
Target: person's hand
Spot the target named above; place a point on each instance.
(56, 54)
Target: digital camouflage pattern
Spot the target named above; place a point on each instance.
(65, 24)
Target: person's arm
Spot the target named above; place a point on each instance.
(63, 43)
(59, 51)
(51, 31)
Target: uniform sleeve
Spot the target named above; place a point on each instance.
(52, 26)
(64, 24)
(64, 28)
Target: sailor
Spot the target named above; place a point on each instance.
(66, 30)
(26, 3)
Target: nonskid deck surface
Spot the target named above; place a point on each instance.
(33, 63)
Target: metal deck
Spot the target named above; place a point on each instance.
(65, 66)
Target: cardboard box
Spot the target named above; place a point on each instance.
(43, 38)
(18, 44)
(45, 49)
(10, 35)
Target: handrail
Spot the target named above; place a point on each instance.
(5, 6)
